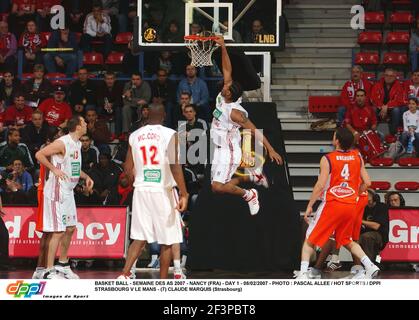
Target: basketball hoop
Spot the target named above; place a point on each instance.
(201, 48)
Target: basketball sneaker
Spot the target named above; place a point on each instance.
(154, 264)
(178, 274)
(66, 271)
(39, 273)
(357, 272)
(298, 275)
(253, 202)
(312, 273)
(53, 275)
(124, 277)
(372, 272)
(258, 177)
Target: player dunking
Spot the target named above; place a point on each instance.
(153, 160)
(342, 179)
(59, 207)
(229, 117)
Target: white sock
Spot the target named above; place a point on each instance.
(40, 269)
(154, 257)
(335, 258)
(63, 262)
(176, 264)
(248, 195)
(304, 266)
(366, 262)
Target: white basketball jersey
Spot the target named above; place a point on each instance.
(149, 146)
(58, 189)
(225, 131)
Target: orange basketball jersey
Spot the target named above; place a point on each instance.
(345, 176)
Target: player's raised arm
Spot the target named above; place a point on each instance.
(225, 60)
(240, 118)
(57, 147)
(319, 187)
(177, 172)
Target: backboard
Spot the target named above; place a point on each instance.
(252, 24)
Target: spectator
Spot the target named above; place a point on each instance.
(360, 117)
(8, 48)
(387, 96)
(106, 176)
(176, 114)
(195, 28)
(375, 226)
(3, 128)
(34, 135)
(18, 179)
(414, 46)
(127, 14)
(198, 89)
(111, 8)
(89, 153)
(136, 94)
(395, 199)
(192, 122)
(43, 13)
(347, 96)
(56, 111)
(257, 32)
(82, 96)
(142, 119)
(164, 61)
(12, 149)
(125, 191)
(67, 61)
(98, 130)
(130, 63)
(76, 11)
(32, 41)
(18, 115)
(37, 89)
(237, 38)
(9, 86)
(109, 95)
(163, 90)
(97, 27)
(410, 136)
(411, 87)
(22, 12)
(173, 34)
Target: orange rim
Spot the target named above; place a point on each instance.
(199, 38)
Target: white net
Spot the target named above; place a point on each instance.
(201, 51)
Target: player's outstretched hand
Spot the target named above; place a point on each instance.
(59, 174)
(89, 184)
(183, 203)
(275, 157)
(308, 214)
(220, 41)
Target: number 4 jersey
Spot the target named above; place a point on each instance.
(150, 146)
(345, 176)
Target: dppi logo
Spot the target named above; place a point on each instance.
(20, 289)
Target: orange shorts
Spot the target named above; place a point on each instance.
(40, 211)
(360, 208)
(332, 217)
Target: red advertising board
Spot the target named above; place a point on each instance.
(403, 242)
(100, 232)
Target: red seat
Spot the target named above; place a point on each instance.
(374, 18)
(395, 58)
(78, 36)
(371, 58)
(26, 77)
(123, 38)
(369, 76)
(380, 185)
(401, 18)
(382, 162)
(409, 162)
(92, 58)
(390, 138)
(326, 104)
(398, 37)
(407, 186)
(115, 58)
(57, 78)
(370, 37)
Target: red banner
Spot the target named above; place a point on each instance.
(403, 242)
(101, 232)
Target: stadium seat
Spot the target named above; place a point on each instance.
(46, 35)
(376, 18)
(398, 37)
(92, 58)
(26, 77)
(401, 18)
(409, 162)
(407, 186)
(380, 185)
(395, 58)
(390, 138)
(115, 58)
(57, 79)
(323, 104)
(123, 38)
(367, 58)
(370, 37)
(382, 162)
(78, 36)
